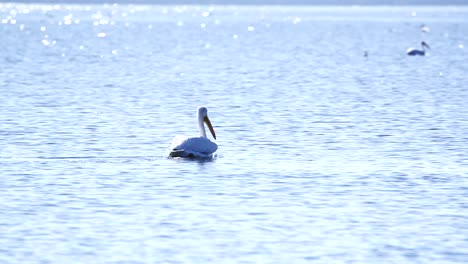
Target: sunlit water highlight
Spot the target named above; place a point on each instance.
(325, 155)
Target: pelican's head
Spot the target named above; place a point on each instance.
(424, 44)
(203, 117)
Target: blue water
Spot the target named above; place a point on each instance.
(325, 156)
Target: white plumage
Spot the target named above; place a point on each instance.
(195, 147)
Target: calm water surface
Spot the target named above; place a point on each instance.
(325, 156)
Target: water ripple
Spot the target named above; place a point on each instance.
(325, 155)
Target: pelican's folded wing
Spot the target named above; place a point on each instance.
(197, 146)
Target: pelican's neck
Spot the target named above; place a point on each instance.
(424, 48)
(201, 126)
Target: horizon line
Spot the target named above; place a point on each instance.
(249, 3)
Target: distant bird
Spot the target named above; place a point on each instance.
(195, 147)
(413, 51)
(366, 54)
(425, 28)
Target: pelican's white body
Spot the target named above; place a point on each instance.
(425, 28)
(195, 147)
(185, 146)
(413, 51)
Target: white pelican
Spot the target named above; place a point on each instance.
(195, 147)
(412, 51)
(424, 28)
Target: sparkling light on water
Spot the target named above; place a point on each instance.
(325, 154)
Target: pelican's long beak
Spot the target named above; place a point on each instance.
(427, 46)
(208, 123)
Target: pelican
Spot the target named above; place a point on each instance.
(195, 147)
(412, 51)
(424, 28)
